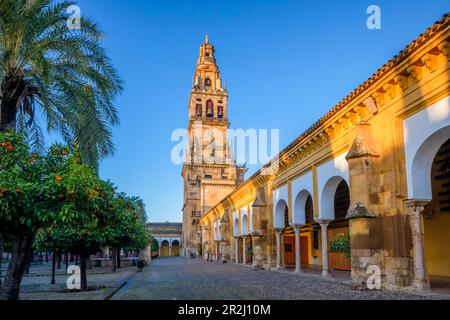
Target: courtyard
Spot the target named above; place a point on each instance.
(194, 279)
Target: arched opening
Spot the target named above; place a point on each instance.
(175, 248)
(209, 109)
(338, 230)
(207, 83)
(236, 230)
(279, 218)
(245, 229)
(304, 216)
(198, 110)
(437, 220)
(165, 248)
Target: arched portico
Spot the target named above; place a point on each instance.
(427, 158)
(334, 204)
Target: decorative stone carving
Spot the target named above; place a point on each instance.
(363, 145)
(403, 82)
(415, 72)
(359, 211)
(373, 102)
(430, 61)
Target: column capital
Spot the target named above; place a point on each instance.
(279, 230)
(297, 226)
(416, 205)
(324, 222)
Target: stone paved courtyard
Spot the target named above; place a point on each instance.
(188, 279)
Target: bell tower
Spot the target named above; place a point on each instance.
(209, 172)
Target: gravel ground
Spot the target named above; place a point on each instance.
(188, 279)
(36, 285)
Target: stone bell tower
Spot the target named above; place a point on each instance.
(209, 172)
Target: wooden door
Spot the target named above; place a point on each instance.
(175, 251)
(289, 251)
(304, 249)
(164, 251)
(338, 260)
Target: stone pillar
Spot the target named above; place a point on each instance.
(159, 250)
(279, 233)
(258, 252)
(170, 250)
(415, 208)
(236, 249)
(146, 255)
(244, 250)
(325, 265)
(298, 256)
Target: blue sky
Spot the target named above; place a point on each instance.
(286, 63)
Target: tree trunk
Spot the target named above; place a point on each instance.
(88, 263)
(59, 259)
(83, 278)
(53, 267)
(20, 254)
(66, 260)
(113, 259)
(30, 259)
(118, 257)
(46, 257)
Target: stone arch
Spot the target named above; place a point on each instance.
(236, 230)
(175, 243)
(245, 225)
(328, 197)
(420, 182)
(428, 125)
(165, 243)
(299, 214)
(279, 215)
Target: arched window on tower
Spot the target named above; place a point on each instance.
(209, 109)
(198, 110)
(207, 83)
(220, 112)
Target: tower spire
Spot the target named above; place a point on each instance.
(206, 38)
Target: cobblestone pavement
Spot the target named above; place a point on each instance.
(36, 285)
(188, 279)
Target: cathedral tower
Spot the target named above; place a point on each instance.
(209, 171)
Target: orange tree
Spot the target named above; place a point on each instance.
(86, 202)
(31, 196)
(125, 226)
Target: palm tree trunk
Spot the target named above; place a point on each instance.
(7, 116)
(22, 245)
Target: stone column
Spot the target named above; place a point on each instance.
(159, 250)
(244, 250)
(298, 256)
(279, 233)
(325, 265)
(415, 208)
(236, 250)
(170, 250)
(258, 251)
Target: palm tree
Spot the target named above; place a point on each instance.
(61, 72)
(139, 206)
